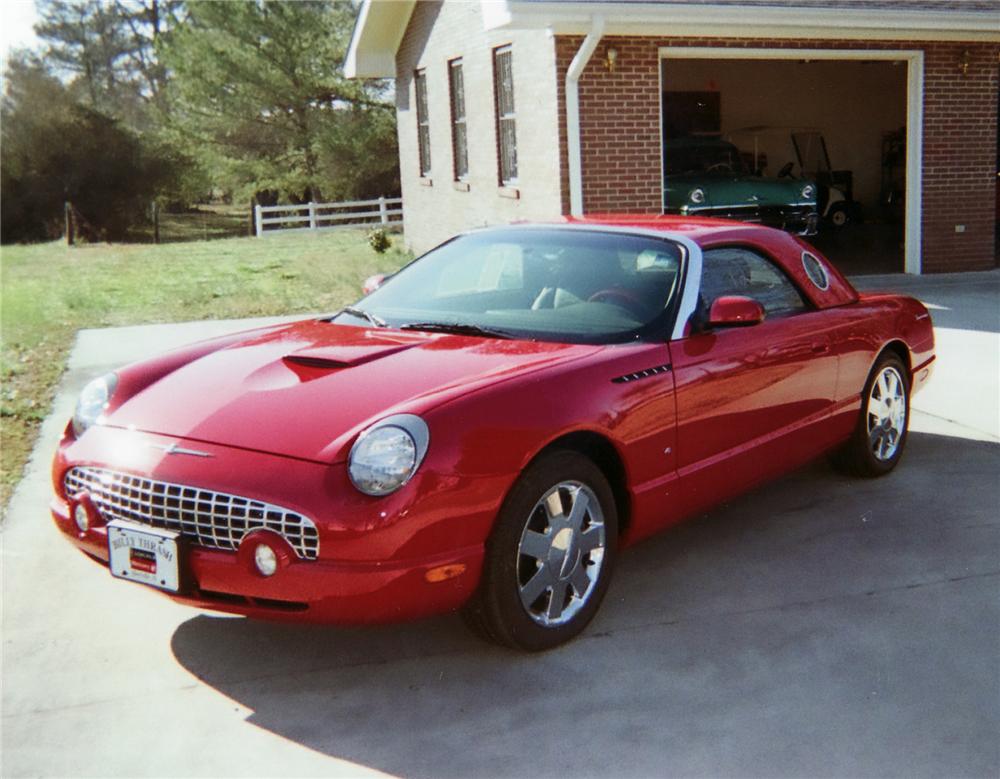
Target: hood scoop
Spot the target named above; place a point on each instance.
(345, 355)
(317, 363)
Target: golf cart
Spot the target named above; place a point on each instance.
(835, 197)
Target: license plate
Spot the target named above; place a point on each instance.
(144, 554)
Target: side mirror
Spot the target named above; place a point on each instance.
(372, 283)
(735, 310)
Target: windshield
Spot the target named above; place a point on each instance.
(556, 285)
(706, 158)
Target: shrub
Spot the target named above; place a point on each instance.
(379, 240)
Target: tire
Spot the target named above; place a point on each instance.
(839, 216)
(550, 556)
(877, 443)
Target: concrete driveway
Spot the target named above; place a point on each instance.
(821, 626)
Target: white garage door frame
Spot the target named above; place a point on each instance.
(914, 60)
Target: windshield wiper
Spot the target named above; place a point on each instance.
(457, 328)
(366, 315)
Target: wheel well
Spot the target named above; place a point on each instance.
(903, 353)
(604, 455)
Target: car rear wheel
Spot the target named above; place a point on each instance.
(549, 559)
(879, 438)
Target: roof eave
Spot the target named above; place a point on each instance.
(378, 32)
(725, 21)
(381, 24)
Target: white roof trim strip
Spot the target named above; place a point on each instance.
(382, 23)
(750, 21)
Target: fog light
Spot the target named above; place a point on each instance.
(81, 517)
(265, 559)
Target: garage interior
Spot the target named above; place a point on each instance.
(859, 108)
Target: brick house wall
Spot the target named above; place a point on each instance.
(620, 136)
(436, 207)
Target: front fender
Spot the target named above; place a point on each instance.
(493, 435)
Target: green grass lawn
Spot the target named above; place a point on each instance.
(49, 291)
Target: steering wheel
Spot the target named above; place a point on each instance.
(622, 298)
(786, 170)
(721, 166)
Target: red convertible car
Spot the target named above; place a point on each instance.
(488, 427)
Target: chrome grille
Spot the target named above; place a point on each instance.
(213, 519)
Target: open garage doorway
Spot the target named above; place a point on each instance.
(847, 120)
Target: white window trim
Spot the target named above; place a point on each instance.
(511, 183)
(458, 62)
(418, 74)
(914, 60)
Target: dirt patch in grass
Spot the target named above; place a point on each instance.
(49, 291)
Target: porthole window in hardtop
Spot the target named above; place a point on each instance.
(815, 271)
(739, 271)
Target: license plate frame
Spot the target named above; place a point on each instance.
(144, 554)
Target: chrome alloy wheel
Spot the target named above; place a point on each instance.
(886, 413)
(561, 552)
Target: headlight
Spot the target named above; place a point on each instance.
(388, 453)
(697, 196)
(93, 402)
(808, 190)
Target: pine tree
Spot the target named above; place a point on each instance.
(258, 93)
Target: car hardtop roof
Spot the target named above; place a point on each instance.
(787, 250)
(702, 230)
(705, 231)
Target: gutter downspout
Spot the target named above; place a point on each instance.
(573, 113)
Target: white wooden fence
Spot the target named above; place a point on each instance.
(328, 216)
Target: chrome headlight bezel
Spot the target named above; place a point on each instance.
(808, 191)
(93, 402)
(697, 196)
(407, 436)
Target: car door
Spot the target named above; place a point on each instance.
(751, 400)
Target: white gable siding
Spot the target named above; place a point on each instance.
(438, 32)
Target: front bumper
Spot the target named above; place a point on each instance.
(380, 560)
(309, 591)
(798, 219)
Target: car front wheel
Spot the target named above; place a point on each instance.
(549, 559)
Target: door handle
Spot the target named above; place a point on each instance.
(820, 348)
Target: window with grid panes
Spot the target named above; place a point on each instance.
(459, 138)
(504, 97)
(423, 123)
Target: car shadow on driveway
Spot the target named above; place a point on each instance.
(819, 626)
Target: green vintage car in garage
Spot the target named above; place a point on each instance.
(708, 177)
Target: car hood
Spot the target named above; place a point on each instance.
(304, 390)
(729, 190)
